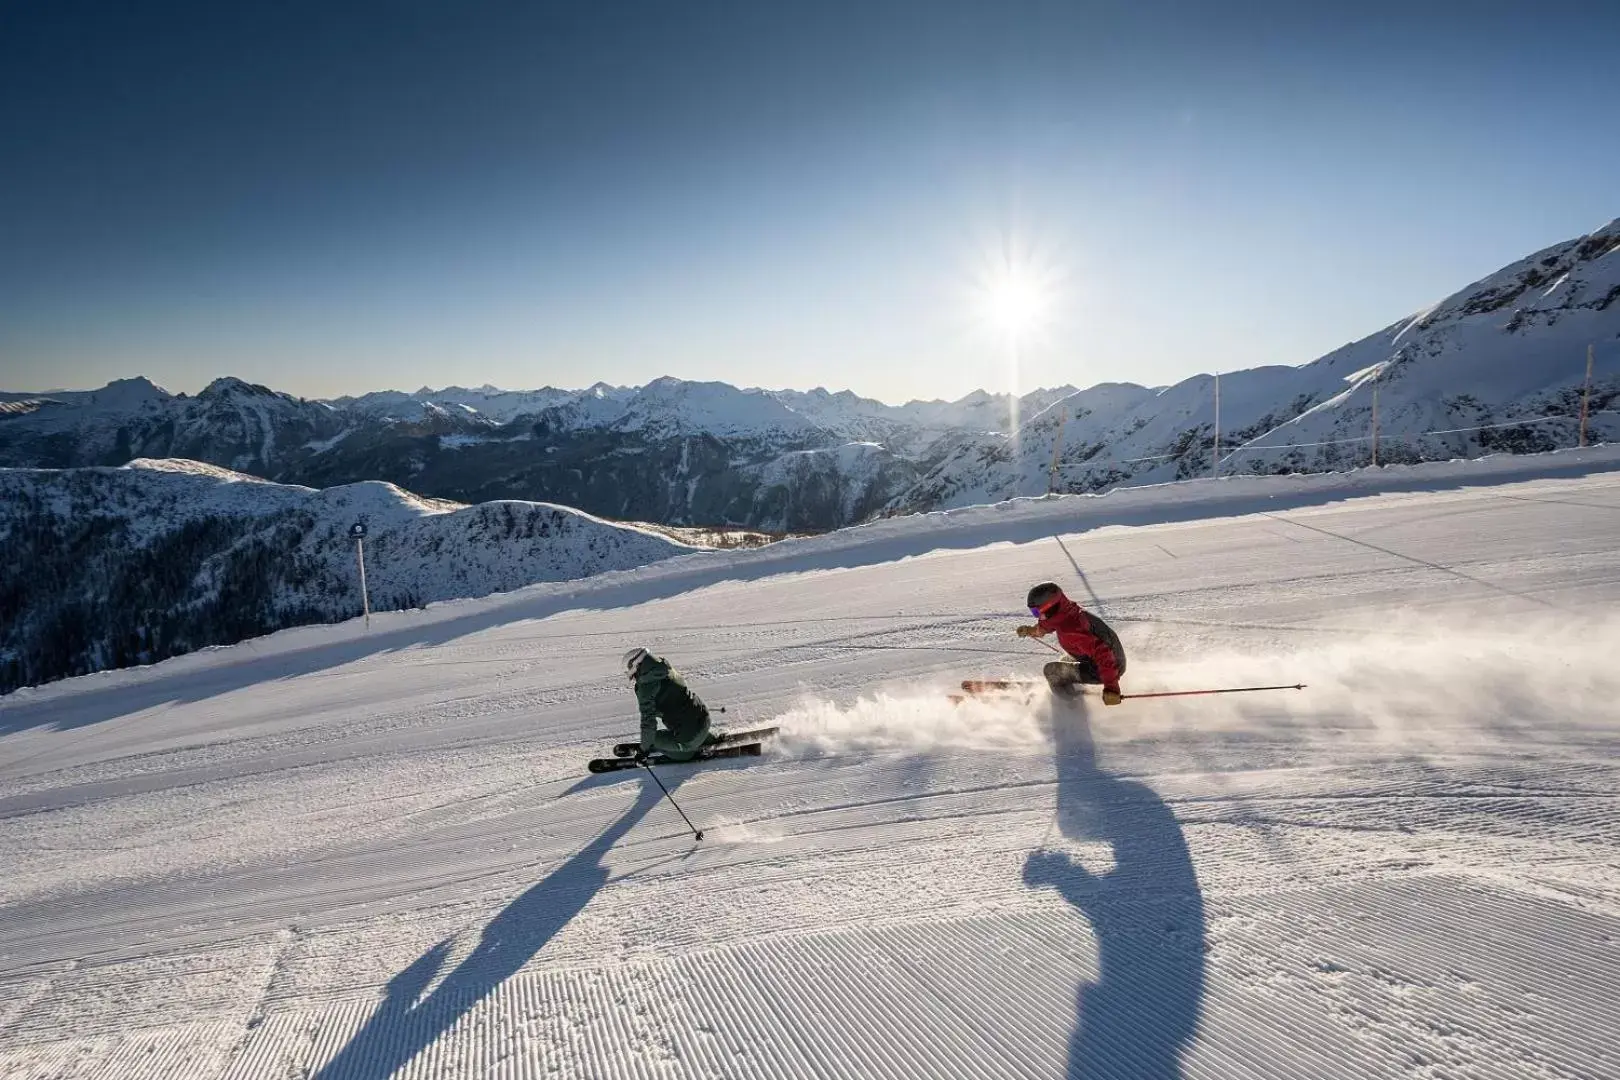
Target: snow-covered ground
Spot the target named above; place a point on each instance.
(339, 854)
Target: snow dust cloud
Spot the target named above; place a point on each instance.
(1442, 685)
(918, 719)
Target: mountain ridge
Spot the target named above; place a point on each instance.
(115, 566)
(1507, 347)
(1497, 365)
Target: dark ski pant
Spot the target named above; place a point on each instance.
(665, 742)
(1066, 677)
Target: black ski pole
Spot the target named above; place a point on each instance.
(696, 832)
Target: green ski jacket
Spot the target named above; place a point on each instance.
(662, 693)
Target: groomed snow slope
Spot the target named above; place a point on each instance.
(333, 854)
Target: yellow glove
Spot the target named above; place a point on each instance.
(1029, 631)
(1112, 697)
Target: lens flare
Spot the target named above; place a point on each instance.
(1014, 303)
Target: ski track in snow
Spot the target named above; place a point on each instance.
(393, 864)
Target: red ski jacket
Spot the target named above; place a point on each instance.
(1084, 636)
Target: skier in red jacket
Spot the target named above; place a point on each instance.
(1095, 654)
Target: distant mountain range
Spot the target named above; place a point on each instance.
(675, 452)
(1509, 347)
(115, 566)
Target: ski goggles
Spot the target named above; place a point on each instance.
(1043, 612)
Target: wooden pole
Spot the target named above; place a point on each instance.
(1586, 393)
(1375, 421)
(1057, 450)
(365, 599)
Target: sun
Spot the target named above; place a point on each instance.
(1014, 304)
(1014, 295)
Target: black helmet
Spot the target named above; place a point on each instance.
(1042, 595)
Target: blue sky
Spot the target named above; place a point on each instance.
(331, 198)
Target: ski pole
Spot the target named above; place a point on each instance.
(1226, 690)
(696, 832)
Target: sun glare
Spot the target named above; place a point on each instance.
(1015, 304)
(1015, 293)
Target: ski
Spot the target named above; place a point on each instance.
(976, 688)
(617, 764)
(991, 686)
(724, 738)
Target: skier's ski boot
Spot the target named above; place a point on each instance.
(1066, 678)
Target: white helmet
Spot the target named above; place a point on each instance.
(633, 659)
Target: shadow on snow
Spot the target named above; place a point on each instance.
(406, 1023)
(1146, 914)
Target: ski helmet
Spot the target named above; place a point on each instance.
(633, 659)
(1042, 596)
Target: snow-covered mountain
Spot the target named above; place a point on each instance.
(231, 423)
(670, 407)
(674, 405)
(490, 402)
(109, 567)
(844, 483)
(673, 451)
(1454, 380)
(916, 428)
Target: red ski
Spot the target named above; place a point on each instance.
(981, 687)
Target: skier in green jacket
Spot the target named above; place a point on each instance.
(664, 695)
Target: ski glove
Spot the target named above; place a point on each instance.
(1029, 631)
(640, 756)
(1112, 697)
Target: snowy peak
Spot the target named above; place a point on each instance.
(229, 386)
(1510, 346)
(1103, 402)
(131, 395)
(676, 407)
(121, 396)
(246, 426)
(1563, 277)
(1496, 366)
(187, 467)
(489, 402)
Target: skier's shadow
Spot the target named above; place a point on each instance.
(1147, 915)
(406, 1023)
